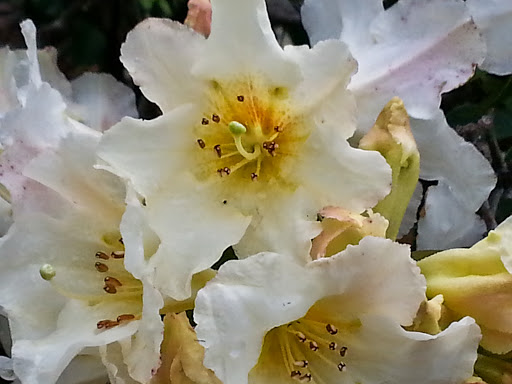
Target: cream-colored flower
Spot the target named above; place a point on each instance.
(252, 139)
(267, 319)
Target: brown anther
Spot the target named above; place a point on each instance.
(301, 363)
(205, 121)
(306, 378)
(276, 145)
(254, 176)
(240, 98)
(201, 143)
(215, 118)
(277, 128)
(333, 346)
(301, 337)
(109, 280)
(100, 267)
(331, 329)
(343, 351)
(265, 144)
(217, 150)
(102, 255)
(342, 367)
(121, 241)
(117, 254)
(294, 374)
(106, 324)
(227, 171)
(110, 289)
(125, 317)
(313, 345)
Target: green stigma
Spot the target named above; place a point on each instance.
(237, 128)
(47, 272)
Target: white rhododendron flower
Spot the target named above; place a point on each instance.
(267, 319)
(90, 298)
(415, 50)
(252, 139)
(493, 17)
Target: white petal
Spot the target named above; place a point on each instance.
(241, 30)
(8, 99)
(139, 239)
(409, 357)
(50, 72)
(28, 29)
(421, 50)
(29, 301)
(112, 358)
(102, 100)
(260, 292)
(194, 230)
(493, 17)
(26, 132)
(324, 19)
(447, 157)
(142, 357)
(447, 223)
(164, 78)
(326, 69)
(42, 361)
(149, 153)
(70, 172)
(336, 174)
(366, 275)
(265, 233)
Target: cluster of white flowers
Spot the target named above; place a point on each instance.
(110, 224)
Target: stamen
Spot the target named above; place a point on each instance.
(306, 378)
(295, 374)
(47, 272)
(342, 367)
(100, 267)
(117, 254)
(110, 289)
(217, 150)
(109, 280)
(121, 240)
(343, 351)
(106, 324)
(313, 345)
(224, 171)
(301, 363)
(201, 143)
(125, 317)
(277, 128)
(331, 329)
(301, 337)
(215, 118)
(240, 98)
(205, 121)
(102, 255)
(254, 176)
(333, 346)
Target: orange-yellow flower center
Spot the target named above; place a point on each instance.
(249, 132)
